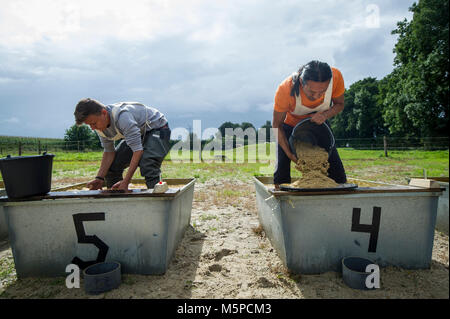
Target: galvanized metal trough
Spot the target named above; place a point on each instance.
(442, 212)
(139, 229)
(313, 231)
(3, 227)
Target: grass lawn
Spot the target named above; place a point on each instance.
(242, 164)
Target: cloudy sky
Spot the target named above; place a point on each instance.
(206, 60)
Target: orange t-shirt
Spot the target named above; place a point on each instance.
(284, 102)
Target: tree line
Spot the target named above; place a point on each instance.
(413, 100)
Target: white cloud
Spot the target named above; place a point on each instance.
(12, 120)
(215, 59)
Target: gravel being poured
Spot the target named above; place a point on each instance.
(313, 163)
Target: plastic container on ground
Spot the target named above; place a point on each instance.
(354, 272)
(102, 277)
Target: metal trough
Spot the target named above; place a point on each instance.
(3, 227)
(139, 229)
(442, 212)
(313, 231)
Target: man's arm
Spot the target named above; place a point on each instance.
(277, 125)
(127, 124)
(134, 163)
(107, 159)
(338, 106)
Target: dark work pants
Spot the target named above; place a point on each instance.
(283, 168)
(156, 146)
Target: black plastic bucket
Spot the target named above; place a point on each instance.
(354, 272)
(312, 133)
(27, 175)
(102, 277)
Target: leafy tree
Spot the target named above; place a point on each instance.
(227, 125)
(194, 141)
(246, 125)
(362, 114)
(267, 127)
(395, 118)
(81, 137)
(417, 91)
(230, 125)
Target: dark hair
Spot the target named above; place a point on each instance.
(315, 71)
(86, 107)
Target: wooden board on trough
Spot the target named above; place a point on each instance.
(427, 183)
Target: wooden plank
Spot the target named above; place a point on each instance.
(65, 188)
(420, 182)
(439, 179)
(169, 181)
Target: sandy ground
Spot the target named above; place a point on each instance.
(225, 254)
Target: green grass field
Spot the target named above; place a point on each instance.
(245, 162)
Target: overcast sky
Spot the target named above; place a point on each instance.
(213, 61)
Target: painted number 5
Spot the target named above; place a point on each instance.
(78, 220)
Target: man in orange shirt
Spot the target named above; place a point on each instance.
(315, 91)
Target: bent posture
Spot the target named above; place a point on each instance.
(317, 91)
(145, 138)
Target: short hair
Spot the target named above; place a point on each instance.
(315, 71)
(86, 107)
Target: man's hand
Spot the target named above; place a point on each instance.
(319, 118)
(292, 157)
(121, 185)
(95, 184)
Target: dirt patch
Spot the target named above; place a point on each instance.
(225, 254)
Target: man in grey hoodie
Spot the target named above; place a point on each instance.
(145, 138)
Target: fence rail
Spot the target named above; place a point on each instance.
(21, 147)
(396, 143)
(390, 143)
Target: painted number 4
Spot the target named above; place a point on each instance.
(372, 229)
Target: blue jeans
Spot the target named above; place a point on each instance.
(282, 172)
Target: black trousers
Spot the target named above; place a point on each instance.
(282, 172)
(156, 146)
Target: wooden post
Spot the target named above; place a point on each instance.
(385, 146)
(20, 148)
(39, 147)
